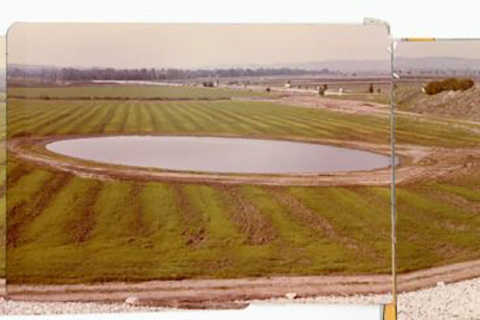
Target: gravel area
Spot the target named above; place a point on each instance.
(459, 300)
(8, 307)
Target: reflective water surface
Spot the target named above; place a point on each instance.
(215, 154)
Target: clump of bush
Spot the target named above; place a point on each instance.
(450, 84)
(466, 84)
(433, 87)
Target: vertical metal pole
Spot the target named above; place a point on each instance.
(393, 173)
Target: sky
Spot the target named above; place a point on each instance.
(2, 53)
(469, 49)
(191, 45)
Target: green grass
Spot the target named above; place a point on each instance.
(69, 229)
(130, 92)
(248, 118)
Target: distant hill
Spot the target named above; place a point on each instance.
(344, 66)
(405, 64)
(433, 65)
(439, 63)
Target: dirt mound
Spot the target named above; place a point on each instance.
(458, 104)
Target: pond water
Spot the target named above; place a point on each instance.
(216, 154)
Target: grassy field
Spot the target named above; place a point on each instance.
(67, 229)
(407, 93)
(130, 92)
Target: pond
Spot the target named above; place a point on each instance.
(219, 154)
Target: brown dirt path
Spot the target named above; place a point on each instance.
(206, 293)
(417, 163)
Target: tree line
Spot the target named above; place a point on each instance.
(51, 75)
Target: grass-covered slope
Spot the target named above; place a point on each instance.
(68, 229)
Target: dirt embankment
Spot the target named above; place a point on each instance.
(347, 106)
(213, 293)
(456, 104)
(417, 163)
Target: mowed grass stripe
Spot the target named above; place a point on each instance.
(224, 121)
(133, 121)
(232, 117)
(221, 232)
(115, 210)
(68, 217)
(81, 224)
(201, 121)
(310, 124)
(161, 216)
(466, 193)
(49, 116)
(325, 250)
(295, 247)
(337, 128)
(15, 172)
(73, 115)
(160, 118)
(438, 212)
(24, 186)
(227, 119)
(22, 110)
(243, 124)
(431, 219)
(318, 226)
(206, 118)
(330, 121)
(23, 213)
(144, 120)
(170, 121)
(417, 237)
(252, 118)
(25, 125)
(256, 226)
(125, 122)
(104, 118)
(82, 115)
(278, 125)
(193, 221)
(52, 116)
(137, 224)
(188, 123)
(349, 224)
(89, 117)
(115, 124)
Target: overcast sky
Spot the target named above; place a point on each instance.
(191, 45)
(2, 53)
(463, 49)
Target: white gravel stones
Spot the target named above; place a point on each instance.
(291, 295)
(460, 301)
(8, 307)
(131, 300)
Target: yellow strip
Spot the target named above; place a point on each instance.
(390, 312)
(419, 39)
